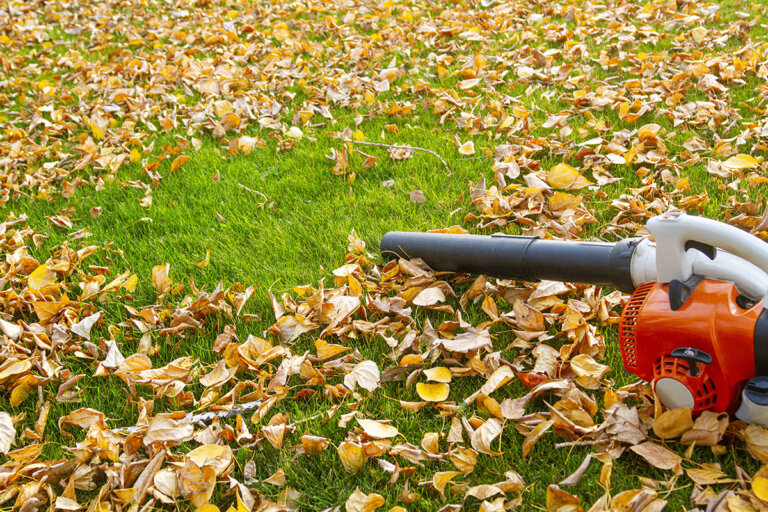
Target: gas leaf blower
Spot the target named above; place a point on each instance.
(695, 325)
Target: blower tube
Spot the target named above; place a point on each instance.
(518, 257)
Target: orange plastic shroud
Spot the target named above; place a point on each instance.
(709, 320)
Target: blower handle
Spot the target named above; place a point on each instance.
(676, 233)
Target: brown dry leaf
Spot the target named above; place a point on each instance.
(756, 439)
(167, 428)
(559, 500)
(484, 435)
(397, 153)
(429, 297)
(365, 374)
(483, 491)
(535, 434)
(468, 341)
(417, 196)
(673, 423)
(464, 459)
(657, 455)
(377, 429)
(707, 430)
(217, 457)
(584, 366)
(277, 478)
(7, 432)
(358, 501)
(436, 392)
(498, 378)
(196, 483)
(708, 474)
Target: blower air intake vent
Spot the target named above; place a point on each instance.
(628, 325)
(701, 387)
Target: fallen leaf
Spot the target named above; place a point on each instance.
(673, 423)
(437, 392)
(358, 501)
(563, 176)
(7, 432)
(377, 429)
(365, 374)
(657, 455)
(438, 374)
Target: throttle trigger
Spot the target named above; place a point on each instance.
(708, 250)
(679, 291)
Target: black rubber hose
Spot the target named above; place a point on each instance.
(518, 257)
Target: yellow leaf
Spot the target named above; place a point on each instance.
(47, 310)
(230, 121)
(206, 261)
(281, 32)
(215, 456)
(19, 394)
(760, 487)
(433, 392)
(314, 444)
(468, 148)
(438, 374)
(40, 277)
(673, 423)
(352, 456)
(277, 479)
(535, 435)
(160, 279)
(358, 135)
(295, 133)
(566, 177)
(584, 365)
(741, 162)
(441, 479)
(98, 126)
(135, 156)
(178, 162)
(327, 350)
(361, 502)
(563, 201)
(130, 283)
(208, 507)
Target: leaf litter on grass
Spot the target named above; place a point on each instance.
(646, 91)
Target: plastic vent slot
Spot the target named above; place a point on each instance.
(702, 387)
(628, 324)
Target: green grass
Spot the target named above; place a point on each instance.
(298, 238)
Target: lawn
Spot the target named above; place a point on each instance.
(243, 143)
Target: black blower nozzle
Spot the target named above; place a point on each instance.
(518, 257)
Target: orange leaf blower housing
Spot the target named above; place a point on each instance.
(697, 356)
